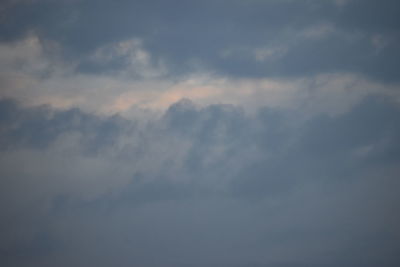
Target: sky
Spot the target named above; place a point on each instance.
(214, 133)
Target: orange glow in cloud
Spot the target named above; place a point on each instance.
(163, 99)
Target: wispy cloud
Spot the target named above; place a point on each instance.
(33, 73)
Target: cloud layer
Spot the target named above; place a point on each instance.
(200, 186)
(199, 133)
(250, 39)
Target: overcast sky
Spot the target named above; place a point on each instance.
(213, 133)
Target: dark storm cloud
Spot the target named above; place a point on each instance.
(208, 186)
(223, 36)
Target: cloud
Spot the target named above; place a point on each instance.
(208, 133)
(126, 58)
(33, 72)
(200, 185)
(191, 37)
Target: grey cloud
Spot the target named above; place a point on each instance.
(192, 35)
(211, 185)
(199, 186)
(40, 126)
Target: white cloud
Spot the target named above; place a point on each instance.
(136, 60)
(32, 73)
(318, 31)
